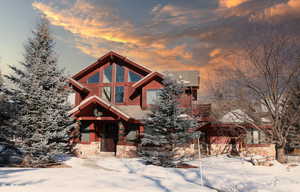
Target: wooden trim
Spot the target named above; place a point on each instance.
(258, 145)
(146, 79)
(108, 56)
(97, 118)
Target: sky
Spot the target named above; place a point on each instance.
(160, 34)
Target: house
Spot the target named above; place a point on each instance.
(112, 97)
(230, 135)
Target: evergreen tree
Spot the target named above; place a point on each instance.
(42, 123)
(166, 129)
(6, 114)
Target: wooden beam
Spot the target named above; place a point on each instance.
(97, 118)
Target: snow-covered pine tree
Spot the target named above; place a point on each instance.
(6, 114)
(166, 128)
(42, 122)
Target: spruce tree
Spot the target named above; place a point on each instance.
(166, 128)
(6, 114)
(42, 124)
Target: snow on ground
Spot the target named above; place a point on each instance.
(123, 175)
(102, 175)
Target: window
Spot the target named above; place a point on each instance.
(106, 93)
(84, 132)
(94, 78)
(152, 96)
(133, 77)
(107, 76)
(255, 137)
(120, 74)
(119, 94)
(71, 98)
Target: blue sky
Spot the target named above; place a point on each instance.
(161, 34)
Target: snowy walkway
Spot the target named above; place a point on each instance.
(123, 175)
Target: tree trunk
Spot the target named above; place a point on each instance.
(280, 154)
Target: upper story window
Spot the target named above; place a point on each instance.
(119, 73)
(119, 94)
(152, 96)
(106, 93)
(94, 78)
(133, 77)
(107, 74)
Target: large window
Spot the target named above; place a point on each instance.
(106, 93)
(133, 77)
(119, 73)
(119, 94)
(94, 78)
(152, 96)
(107, 74)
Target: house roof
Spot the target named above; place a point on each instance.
(126, 112)
(104, 59)
(78, 85)
(146, 79)
(134, 111)
(189, 78)
(103, 103)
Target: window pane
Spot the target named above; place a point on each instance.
(133, 77)
(85, 132)
(255, 137)
(106, 93)
(119, 94)
(152, 96)
(120, 74)
(107, 78)
(94, 78)
(71, 98)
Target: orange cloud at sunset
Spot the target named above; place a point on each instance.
(103, 31)
(290, 7)
(231, 3)
(170, 37)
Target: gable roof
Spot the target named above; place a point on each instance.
(146, 79)
(126, 112)
(106, 58)
(78, 85)
(101, 102)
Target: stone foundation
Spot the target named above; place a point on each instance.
(87, 150)
(187, 151)
(218, 149)
(126, 151)
(265, 150)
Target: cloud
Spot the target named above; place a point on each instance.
(174, 15)
(231, 3)
(291, 7)
(172, 37)
(98, 30)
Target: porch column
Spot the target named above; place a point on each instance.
(121, 132)
(92, 132)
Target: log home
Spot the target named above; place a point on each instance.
(112, 97)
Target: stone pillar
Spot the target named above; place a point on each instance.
(121, 132)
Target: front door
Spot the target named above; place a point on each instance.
(109, 137)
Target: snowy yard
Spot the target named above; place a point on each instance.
(123, 175)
